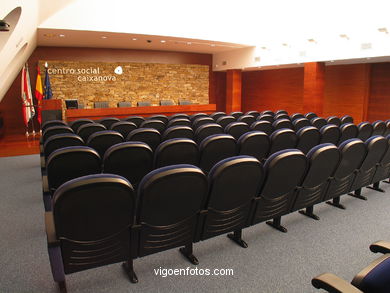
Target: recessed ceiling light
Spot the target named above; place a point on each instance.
(344, 36)
(104, 37)
(212, 45)
(383, 30)
(331, 61)
(163, 41)
(189, 43)
(62, 36)
(134, 39)
(312, 40)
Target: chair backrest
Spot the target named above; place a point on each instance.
(160, 117)
(348, 130)
(150, 136)
(318, 122)
(125, 104)
(217, 115)
(201, 121)
(330, 133)
(53, 130)
(353, 152)
(170, 199)
(225, 120)
(346, 119)
(236, 114)
(108, 202)
(166, 103)
(253, 113)
(51, 123)
(86, 130)
(333, 120)
(144, 104)
(308, 137)
(282, 123)
(179, 122)
(281, 116)
(193, 117)
(107, 122)
(266, 117)
(61, 140)
(102, 140)
(179, 115)
(310, 115)
(77, 123)
(185, 102)
(262, 125)
(365, 130)
(178, 132)
(216, 148)
(123, 127)
(271, 112)
(101, 104)
(131, 159)
(255, 144)
(296, 116)
(283, 139)
(284, 172)
(248, 119)
(137, 120)
(379, 127)
(300, 123)
(383, 169)
(387, 131)
(176, 151)
(71, 162)
(155, 124)
(234, 183)
(206, 130)
(280, 112)
(236, 129)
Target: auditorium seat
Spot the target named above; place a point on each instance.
(382, 171)
(75, 244)
(61, 140)
(234, 183)
(150, 136)
(236, 129)
(308, 137)
(296, 116)
(300, 123)
(201, 121)
(318, 122)
(310, 115)
(207, 130)
(51, 123)
(53, 130)
(166, 103)
(266, 117)
(365, 130)
(168, 219)
(255, 144)
(387, 131)
(284, 171)
(179, 122)
(282, 139)
(176, 151)
(217, 115)
(155, 124)
(179, 115)
(178, 132)
(263, 125)
(281, 116)
(214, 149)
(248, 119)
(379, 128)
(102, 140)
(348, 130)
(123, 127)
(144, 104)
(330, 133)
(193, 117)
(346, 119)
(236, 114)
(101, 104)
(107, 122)
(323, 160)
(353, 152)
(282, 123)
(124, 104)
(75, 125)
(185, 102)
(253, 113)
(280, 112)
(131, 159)
(333, 120)
(376, 148)
(225, 120)
(137, 120)
(160, 117)
(86, 130)
(270, 112)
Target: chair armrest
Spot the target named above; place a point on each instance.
(52, 240)
(380, 246)
(333, 284)
(43, 162)
(45, 184)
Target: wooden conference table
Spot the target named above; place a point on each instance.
(98, 113)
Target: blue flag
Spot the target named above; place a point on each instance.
(48, 93)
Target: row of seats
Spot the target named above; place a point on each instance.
(178, 205)
(74, 104)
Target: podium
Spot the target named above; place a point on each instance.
(51, 110)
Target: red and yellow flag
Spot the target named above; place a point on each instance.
(39, 95)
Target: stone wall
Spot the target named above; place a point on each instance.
(116, 82)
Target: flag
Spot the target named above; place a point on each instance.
(39, 95)
(28, 108)
(48, 92)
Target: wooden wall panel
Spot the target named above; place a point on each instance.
(273, 90)
(11, 105)
(346, 90)
(233, 90)
(219, 89)
(313, 87)
(379, 101)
